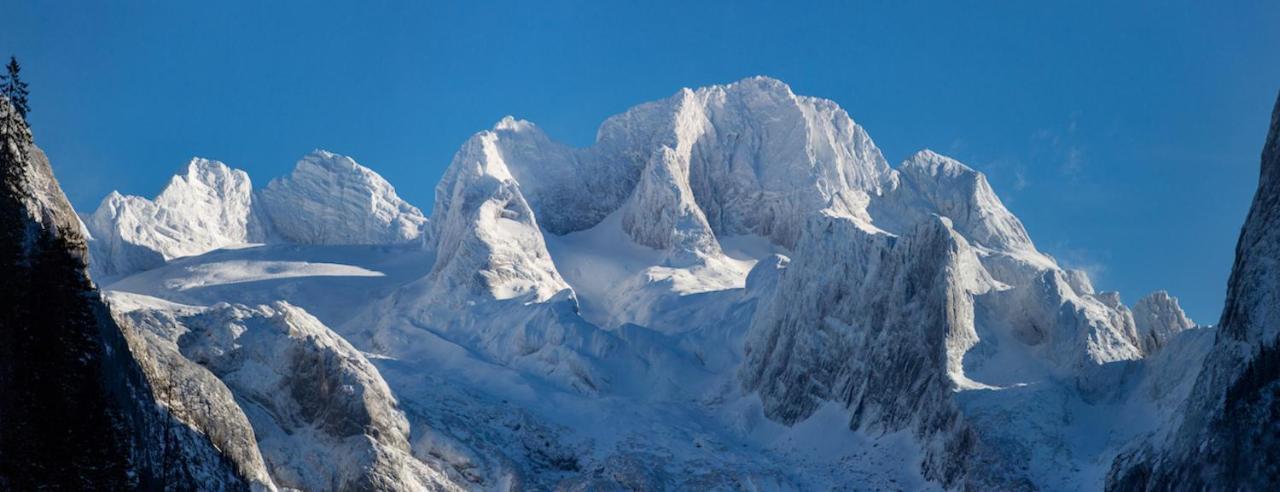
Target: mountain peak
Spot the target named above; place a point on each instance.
(512, 124)
(760, 84)
(1158, 317)
(330, 160)
(935, 163)
(331, 199)
(205, 208)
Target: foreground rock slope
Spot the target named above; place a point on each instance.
(83, 408)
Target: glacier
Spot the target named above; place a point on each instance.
(730, 289)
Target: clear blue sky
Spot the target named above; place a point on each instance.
(1125, 137)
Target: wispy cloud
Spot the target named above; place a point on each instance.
(1089, 261)
(1020, 179)
(1073, 162)
(1060, 147)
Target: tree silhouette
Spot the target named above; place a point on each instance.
(14, 88)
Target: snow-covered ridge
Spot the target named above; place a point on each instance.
(752, 155)
(328, 199)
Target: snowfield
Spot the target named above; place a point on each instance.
(731, 289)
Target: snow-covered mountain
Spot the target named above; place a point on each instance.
(328, 199)
(730, 289)
(207, 207)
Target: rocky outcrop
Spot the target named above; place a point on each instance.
(1159, 318)
(324, 418)
(879, 324)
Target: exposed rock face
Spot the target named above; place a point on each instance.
(79, 413)
(199, 399)
(324, 418)
(207, 207)
(330, 199)
(1229, 430)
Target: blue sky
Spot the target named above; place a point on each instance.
(1125, 137)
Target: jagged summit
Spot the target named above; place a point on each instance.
(485, 235)
(208, 206)
(745, 151)
(1159, 318)
(332, 199)
(328, 199)
(929, 182)
(934, 163)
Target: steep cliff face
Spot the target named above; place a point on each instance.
(78, 411)
(1228, 430)
(883, 333)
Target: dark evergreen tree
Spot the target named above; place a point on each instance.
(15, 89)
(60, 428)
